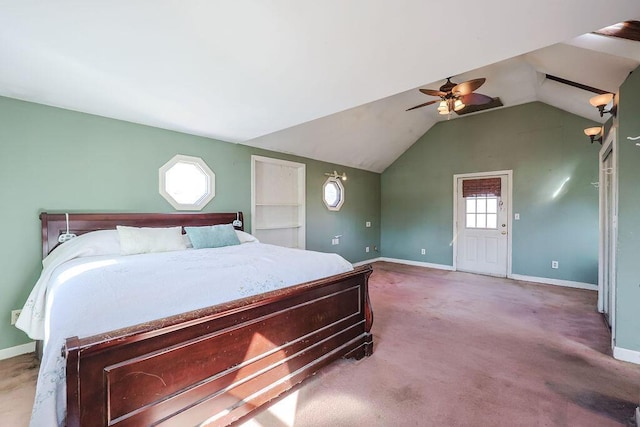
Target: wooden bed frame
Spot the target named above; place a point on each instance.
(215, 365)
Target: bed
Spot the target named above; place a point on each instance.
(215, 364)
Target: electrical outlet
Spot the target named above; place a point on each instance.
(516, 216)
(423, 251)
(367, 224)
(554, 264)
(366, 249)
(335, 241)
(14, 316)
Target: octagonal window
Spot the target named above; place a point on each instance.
(333, 194)
(187, 182)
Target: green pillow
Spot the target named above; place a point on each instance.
(212, 236)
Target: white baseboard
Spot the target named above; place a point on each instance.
(417, 263)
(556, 282)
(626, 355)
(7, 353)
(544, 280)
(367, 261)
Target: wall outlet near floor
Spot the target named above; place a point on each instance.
(366, 249)
(554, 264)
(14, 316)
(335, 241)
(367, 224)
(423, 251)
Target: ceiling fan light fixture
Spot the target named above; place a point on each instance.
(452, 95)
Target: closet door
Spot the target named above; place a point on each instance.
(608, 230)
(278, 201)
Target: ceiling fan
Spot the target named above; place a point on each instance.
(458, 98)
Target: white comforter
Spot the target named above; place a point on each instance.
(90, 295)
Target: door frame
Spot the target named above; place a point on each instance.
(609, 143)
(454, 242)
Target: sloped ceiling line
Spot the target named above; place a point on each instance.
(327, 80)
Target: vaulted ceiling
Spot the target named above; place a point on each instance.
(329, 80)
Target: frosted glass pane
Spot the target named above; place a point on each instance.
(492, 221)
(332, 194)
(481, 221)
(471, 205)
(187, 183)
(471, 221)
(492, 205)
(482, 205)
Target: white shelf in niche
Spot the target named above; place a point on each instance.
(293, 205)
(279, 227)
(278, 201)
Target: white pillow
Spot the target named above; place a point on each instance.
(144, 240)
(94, 243)
(246, 237)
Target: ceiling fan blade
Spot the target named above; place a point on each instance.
(432, 92)
(466, 88)
(423, 105)
(475, 99)
(471, 108)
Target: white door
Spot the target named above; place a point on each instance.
(482, 225)
(608, 231)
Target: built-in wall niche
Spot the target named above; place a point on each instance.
(278, 201)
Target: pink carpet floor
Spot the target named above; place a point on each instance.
(456, 349)
(451, 349)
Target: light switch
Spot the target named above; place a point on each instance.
(367, 224)
(516, 216)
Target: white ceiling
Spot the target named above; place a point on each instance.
(326, 79)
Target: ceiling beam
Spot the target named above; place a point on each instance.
(574, 84)
(629, 30)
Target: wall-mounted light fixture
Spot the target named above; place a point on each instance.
(335, 174)
(601, 101)
(593, 132)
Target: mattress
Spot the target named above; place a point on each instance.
(95, 294)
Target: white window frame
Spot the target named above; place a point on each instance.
(338, 182)
(486, 213)
(204, 199)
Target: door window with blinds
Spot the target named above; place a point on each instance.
(482, 199)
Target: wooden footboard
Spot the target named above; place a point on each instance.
(215, 365)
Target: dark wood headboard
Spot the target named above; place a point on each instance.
(53, 225)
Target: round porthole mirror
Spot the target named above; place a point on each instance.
(187, 182)
(333, 194)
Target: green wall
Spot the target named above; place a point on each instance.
(58, 160)
(628, 272)
(543, 146)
